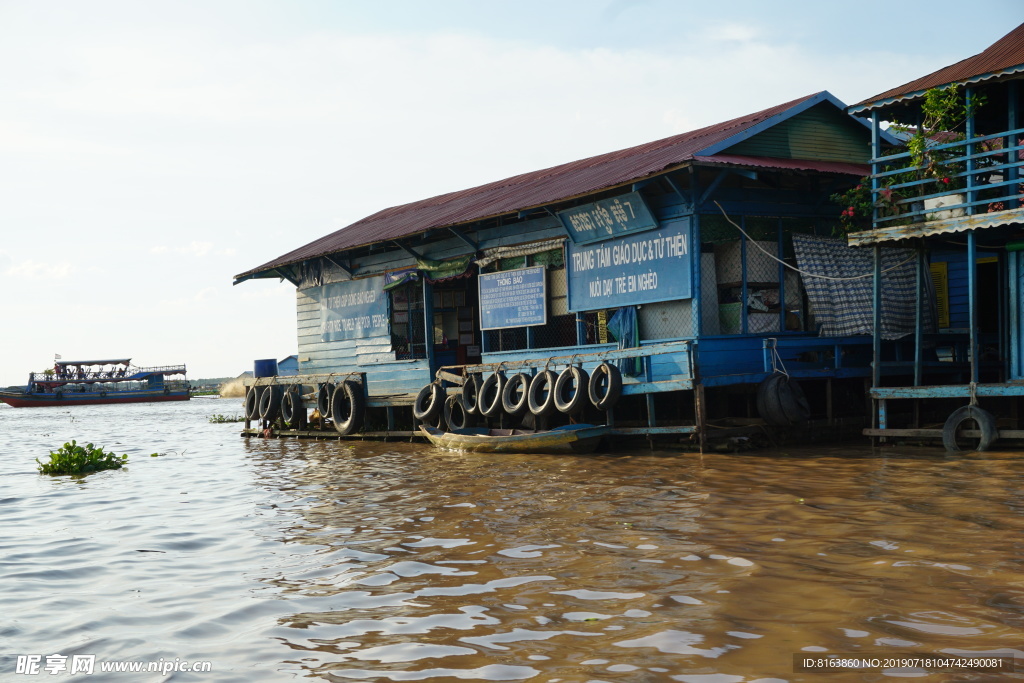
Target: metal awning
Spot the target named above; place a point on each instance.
(945, 226)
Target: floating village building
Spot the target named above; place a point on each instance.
(955, 209)
(676, 260)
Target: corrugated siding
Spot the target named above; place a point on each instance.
(821, 134)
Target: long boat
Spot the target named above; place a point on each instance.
(577, 438)
(98, 382)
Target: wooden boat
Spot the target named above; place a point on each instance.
(579, 438)
(97, 382)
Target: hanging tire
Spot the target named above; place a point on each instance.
(489, 401)
(429, 403)
(270, 403)
(323, 399)
(605, 386)
(768, 404)
(471, 394)
(986, 425)
(515, 397)
(348, 407)
(455, 415)
(793, 401)
(541, 396)
(571, 390)
(293, 408)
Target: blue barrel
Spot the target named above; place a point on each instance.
(265, 368)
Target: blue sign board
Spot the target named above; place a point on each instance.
(608, 218)
(631, 270)
(353, 309)
(513, 298)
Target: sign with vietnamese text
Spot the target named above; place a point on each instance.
(513, 298)
(608, 218)
(353, 309)
(631, 270)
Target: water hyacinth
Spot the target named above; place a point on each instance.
(74, 459)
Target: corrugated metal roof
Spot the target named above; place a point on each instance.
(1005, 56)
(540, 188)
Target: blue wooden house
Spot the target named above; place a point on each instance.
(958, 210)
(673, 259)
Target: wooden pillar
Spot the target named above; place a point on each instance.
(972, 304)
(697, 300)
(428, 324)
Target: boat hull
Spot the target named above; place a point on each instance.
(18, 400)
(564, 440)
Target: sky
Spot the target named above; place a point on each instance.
(150, 151)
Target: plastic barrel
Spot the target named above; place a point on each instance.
(265, 368)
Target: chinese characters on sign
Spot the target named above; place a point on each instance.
(353, 309)
(636, 269)
(513, 298)
(607, 218)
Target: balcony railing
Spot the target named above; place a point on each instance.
(980, 174)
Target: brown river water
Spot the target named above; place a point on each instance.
(278, 560)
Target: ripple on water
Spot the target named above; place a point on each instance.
(285, 558)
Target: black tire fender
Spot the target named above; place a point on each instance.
(293, 408)
(768, 406)
(455, 415)
(605, 386)
(571, 390)
(348, 407)
(515, 397)
(429, 403)
(541, 395)
(270, 403)
(986, 425)
(59, 395)
(251, 403)
(471, 394)
(793, 401)
(489, 400)
(323, 399)
(167, 391)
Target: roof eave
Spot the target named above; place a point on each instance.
(868, 106)
(260, 272)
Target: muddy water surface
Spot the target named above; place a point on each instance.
(280, 560)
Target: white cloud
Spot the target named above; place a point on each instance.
(39, 270)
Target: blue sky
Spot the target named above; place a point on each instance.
(150, 151)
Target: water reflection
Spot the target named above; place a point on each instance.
(393, 561)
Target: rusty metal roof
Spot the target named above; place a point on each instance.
(557, 184)
(1005, 56)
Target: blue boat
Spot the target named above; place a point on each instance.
(98, 382)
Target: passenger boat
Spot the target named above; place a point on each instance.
(96, 382)
(577, 438)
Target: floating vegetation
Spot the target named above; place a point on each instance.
(221, 419)
(74, 459)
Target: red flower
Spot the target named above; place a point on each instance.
(945, 181)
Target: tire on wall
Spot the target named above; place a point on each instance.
(571, 390)
(490, 394)
(323, 399)
(768, 405)
(793, 401)
(471, 394)
(515, 397)
(986, 425)
(348, 407)
(429, 403)
(455, 415)
(293, 408)
(605, 386)
(270, 403)
(541, 395)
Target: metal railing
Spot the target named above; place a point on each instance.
(979, 174)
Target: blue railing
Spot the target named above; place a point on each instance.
(979, 174)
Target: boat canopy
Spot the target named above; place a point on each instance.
(113, 361)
